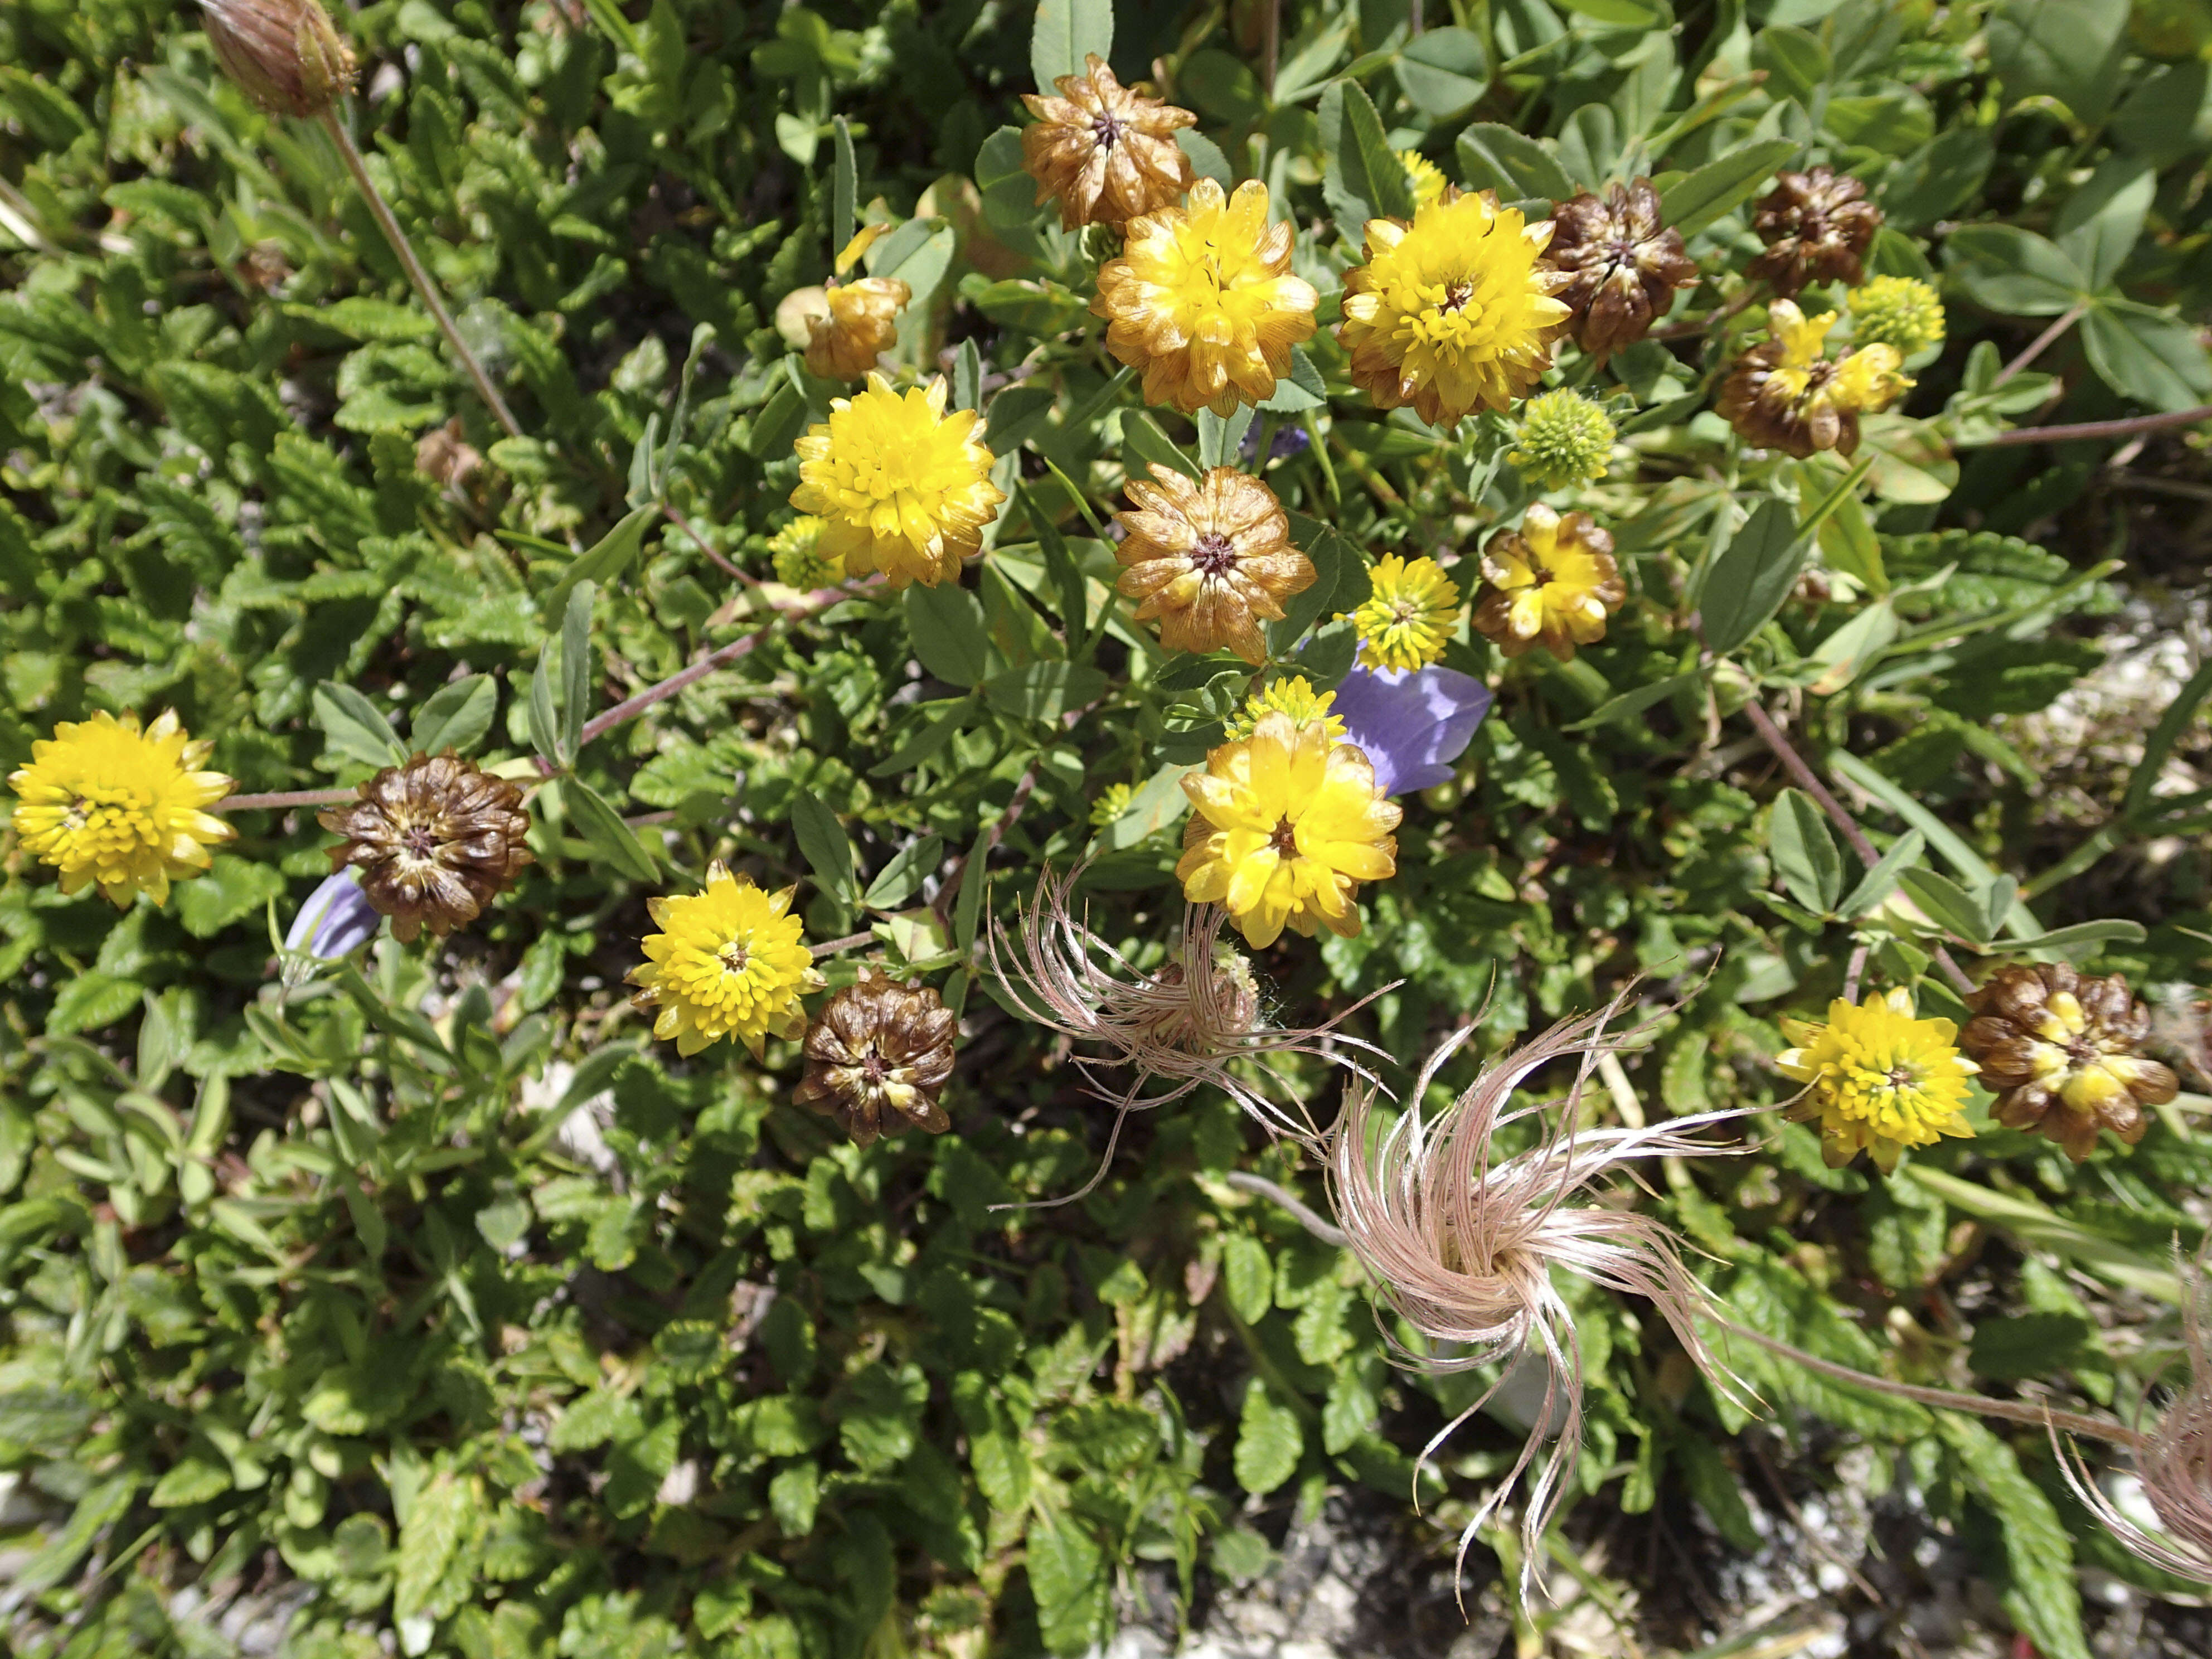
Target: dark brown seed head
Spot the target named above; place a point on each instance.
(1817, 228)
(2063, 1052)
(1624, 265)
(877, 1055)
(435, 841)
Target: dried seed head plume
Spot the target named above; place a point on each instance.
(1461, 1248)
(2174, 1460)
(1173, 1029)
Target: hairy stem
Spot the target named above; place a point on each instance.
(2010, 1411)
(831, 947)
(1284, 1200)
(415, 272)
(284, 798)
(1810, 781)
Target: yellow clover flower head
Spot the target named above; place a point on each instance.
(1111, 805)
(109, 804)
(1294, 697)
(1287, 823)
(1453, 312)
(728, 962)
(1899, 312)
(901, 486)
(800, 561)
(1408, 618)
(1426, 177)
(1877, 1079)
(1202, 301)
(1564, 440)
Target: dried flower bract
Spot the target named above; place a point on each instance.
(2061, 1050)
(1624, 265)
(1209, 561)
(1817, 228)
(285, 55)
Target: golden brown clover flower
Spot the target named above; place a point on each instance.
(1209, 560)
(1202, 301)
(285, 55)
(2063, 1051)
(436, 841)
(1624, 264)
(1785, 394)
(1817, 228)
(1467, 1247)
(860, 326)
(1105, 150)
(877, 1055)
(1553, 582)
(1173, 1028)
(2174, 1460)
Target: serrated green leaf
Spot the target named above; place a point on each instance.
(1269, 1442)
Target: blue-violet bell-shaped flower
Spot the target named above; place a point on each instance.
(1413, 724)
(337, 920)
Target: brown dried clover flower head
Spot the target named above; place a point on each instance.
(2061, 1050)
(860, 324)
(1817, 229)
(1209, 560)
(285, 55)
(875, 1056)
(1626, 265)
(436, 841)
(1107, 152)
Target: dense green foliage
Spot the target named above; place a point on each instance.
(339, 1273)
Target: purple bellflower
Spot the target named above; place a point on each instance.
(337, 920)
(1413, 724)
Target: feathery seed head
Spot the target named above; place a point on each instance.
(1462, 1245)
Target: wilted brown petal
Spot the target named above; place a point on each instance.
(2062, 1050)
(1209, 561)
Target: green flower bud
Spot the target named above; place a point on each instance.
(1564, 439)
(1111, 805)
(1902, 312)
(799, 560)
(285, 55)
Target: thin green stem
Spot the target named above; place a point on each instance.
(417, 273)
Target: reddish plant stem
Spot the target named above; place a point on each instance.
(723, 564)
(284, 798)
(2086, 429)
(417, 273)
(2038, 345)
(629, 707)
(1810, 781)
(831, 947)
